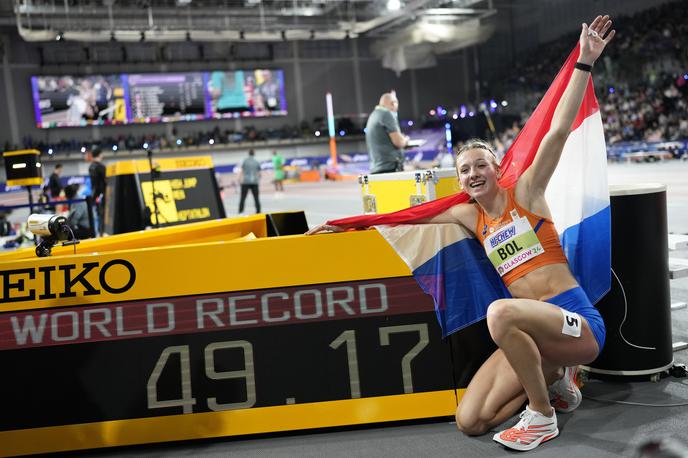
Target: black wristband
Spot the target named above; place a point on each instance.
(583, 67)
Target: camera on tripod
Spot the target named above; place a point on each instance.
(52, 229)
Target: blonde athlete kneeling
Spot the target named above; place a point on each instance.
(549, 325)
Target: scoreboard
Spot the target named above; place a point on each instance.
(142, 98)
(218, 339)
(166, 97)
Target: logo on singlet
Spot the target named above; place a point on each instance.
(503, 236)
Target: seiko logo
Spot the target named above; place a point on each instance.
(67, 280)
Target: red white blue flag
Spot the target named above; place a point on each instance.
(450, 264)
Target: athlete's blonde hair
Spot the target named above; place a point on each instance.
(478, 143)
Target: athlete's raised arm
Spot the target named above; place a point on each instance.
(592, 42)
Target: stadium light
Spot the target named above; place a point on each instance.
(393, 5)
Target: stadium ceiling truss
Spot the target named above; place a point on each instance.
(249, 20)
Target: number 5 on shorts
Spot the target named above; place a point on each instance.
(572, 324)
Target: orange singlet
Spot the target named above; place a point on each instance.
(544, 230)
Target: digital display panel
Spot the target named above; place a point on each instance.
(79, 101)
(73, 101)
(217, 352)
(165, 97)
(241, 93)
(181, 197)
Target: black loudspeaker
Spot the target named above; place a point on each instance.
(23, 167)
(637, 309)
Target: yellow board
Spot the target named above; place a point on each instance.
(205, 231)
(229, 423)
(389, 192)
(25, 182)
(165, 164)
(21, 152)
(169, 271)
(233, 263)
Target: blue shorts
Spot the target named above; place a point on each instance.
(576, 301)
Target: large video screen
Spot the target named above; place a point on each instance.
(165, 97)
(79, 101)
(72, 101)
(259, 92)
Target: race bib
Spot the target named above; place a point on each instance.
(572, 324)
(512, 245)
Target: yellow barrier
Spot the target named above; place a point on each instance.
(206, 231)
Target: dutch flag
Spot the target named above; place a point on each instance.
(451, 266)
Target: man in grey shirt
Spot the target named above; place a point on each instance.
(249, 177)
(384, 138)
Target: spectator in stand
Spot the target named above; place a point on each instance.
(648, 98)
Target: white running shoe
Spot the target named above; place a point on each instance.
(533, 429)
(564, 395)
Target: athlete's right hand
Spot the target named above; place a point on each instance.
(592, 39)
(325, 228)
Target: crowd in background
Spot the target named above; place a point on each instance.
(652, 111)
(641, 84)
(204, 136)
(642, 87)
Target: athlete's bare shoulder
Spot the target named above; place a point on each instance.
(465, 214)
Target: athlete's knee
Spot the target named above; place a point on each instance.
(501, 316)
(469, 422)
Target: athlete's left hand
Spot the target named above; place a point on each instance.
(325, 228)
(593, 40)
